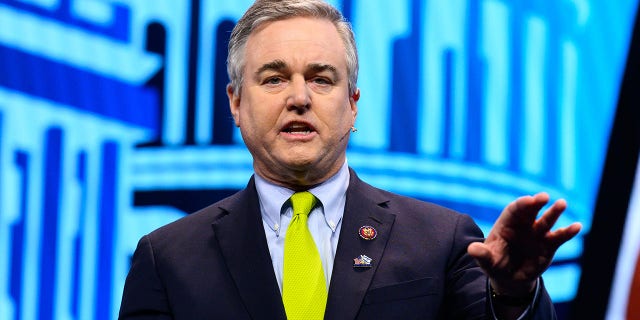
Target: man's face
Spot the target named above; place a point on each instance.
(294, 109)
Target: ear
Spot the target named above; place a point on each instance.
(234, 104)
(354, 103)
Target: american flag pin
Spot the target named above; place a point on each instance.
(362, 262)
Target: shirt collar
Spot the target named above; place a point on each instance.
(331, 194)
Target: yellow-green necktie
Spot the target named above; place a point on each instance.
(304, 288)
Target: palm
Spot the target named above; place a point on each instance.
(520, 248)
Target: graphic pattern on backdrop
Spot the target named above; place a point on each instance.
(114, 121)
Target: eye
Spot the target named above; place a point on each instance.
(272, 81)
(321, 81)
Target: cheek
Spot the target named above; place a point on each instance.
(260, 120)
(347, 115)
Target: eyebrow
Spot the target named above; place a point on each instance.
(279, 65)
(276, 65)
(320, 67)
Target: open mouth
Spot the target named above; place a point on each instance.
(298, 128)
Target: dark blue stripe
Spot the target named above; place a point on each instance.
(347, 9)
(117, 30)
(156, 42)
(476, 68)
(81, 175)
(448, 80)
(106, 230)
(552, 152)
(223, 125)
(404, 88)
(78, 88)
(516, 118)
(17, 234)
(192, 73)
(50, 216)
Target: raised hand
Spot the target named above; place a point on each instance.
(520, 248)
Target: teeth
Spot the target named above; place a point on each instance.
(298, 129)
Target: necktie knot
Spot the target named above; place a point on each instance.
(302, 203)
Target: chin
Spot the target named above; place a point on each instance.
(300, 165)
(296, 158)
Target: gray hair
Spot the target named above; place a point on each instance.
(263, 11)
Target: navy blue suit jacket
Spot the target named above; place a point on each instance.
(215, 264)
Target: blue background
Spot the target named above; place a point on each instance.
(114, 121)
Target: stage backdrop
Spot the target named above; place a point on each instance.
(114, 121)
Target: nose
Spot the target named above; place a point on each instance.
(298, 98)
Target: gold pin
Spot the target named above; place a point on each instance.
(367, 232)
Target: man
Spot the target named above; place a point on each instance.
(374, 255)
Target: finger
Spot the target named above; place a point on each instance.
(482, 254)
(539, 201)
(541, 197)
(562, 235)
(550, 217)
(525, 209)
(479, 250)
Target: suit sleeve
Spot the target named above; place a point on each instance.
(468, 287)
(465, 289)
(542, 307)
(144, 295)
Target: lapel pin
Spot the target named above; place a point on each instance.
(362, 262)
(367, 232)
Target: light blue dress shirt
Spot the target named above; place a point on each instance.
(324, 220)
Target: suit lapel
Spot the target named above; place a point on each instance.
(364, 207)
(243, 244)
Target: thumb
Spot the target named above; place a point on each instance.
(481, 253)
